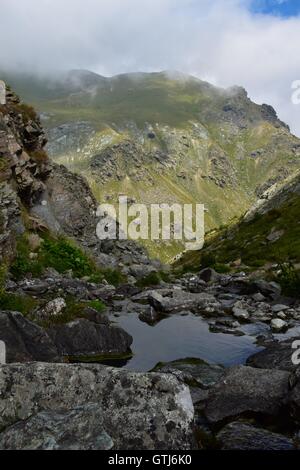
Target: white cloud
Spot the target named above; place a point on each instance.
(217, 40)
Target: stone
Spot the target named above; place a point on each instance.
(209, 275)
(194, 370)
(244, 436)
(85, 338)
(179, 300)
(277, 355)
(24, 340)
(149, 314)
(240, 313)
(78, 429)
(244, 390)
(279, 308)
(279, 325)
(53, 308)
(139, 411)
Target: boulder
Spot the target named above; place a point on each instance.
(82, 337)
(53, 308)
(180, 300)
(209, 275)
(77, 429)
(278, 324)
(244, 390)
(25, 341)
(275, 356)
(244, 436)
(139, 411)
(193, 371)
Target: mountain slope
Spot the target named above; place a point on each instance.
(269, 233)
(164, 137)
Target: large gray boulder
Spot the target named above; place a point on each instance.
(25, 341)
(179, 300)
(275, 356)
(77, 429)
(244, 436)
(82, 337)
(245, 390)
(139, 411)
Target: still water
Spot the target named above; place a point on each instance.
(177, 337)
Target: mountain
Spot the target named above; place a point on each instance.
(164, 137)
(267, 238)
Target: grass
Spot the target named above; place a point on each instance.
(63, 255)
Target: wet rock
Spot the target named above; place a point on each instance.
(25, 341)
(247, 390)
(149, 315)
(85, 338)
(243, 436)
(77, 429)
(139, 411)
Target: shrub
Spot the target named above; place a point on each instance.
(289, 280)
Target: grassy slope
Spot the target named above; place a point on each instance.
(247, 240)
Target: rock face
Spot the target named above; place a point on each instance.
(25, 341)
(139, 411)
(85, 338)
(243, 436)
(80, 428)
(245, 390)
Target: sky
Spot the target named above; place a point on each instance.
(251, 43)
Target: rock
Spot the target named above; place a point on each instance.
(277, 355)
(148, 314)
(245, 390)
(268, 289)
(180, 300)
(53, 308)
(196, 371)
(240, 313)
(85, 338)
(258, 297)
(293, 400)
(139, 411)
(243, 436)
(140, 271)
(275, 235)
(209, 275)
(77, 429)
(94, 316)
(25, 341)
(279, 325)
(279, 308)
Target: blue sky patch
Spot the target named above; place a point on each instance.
(285, 8)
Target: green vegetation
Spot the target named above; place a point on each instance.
(74, 309)
(62, 255)
(289, 279)
(153, 279)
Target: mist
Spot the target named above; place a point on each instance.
(220, 41)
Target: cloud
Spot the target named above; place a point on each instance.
(221, 41)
